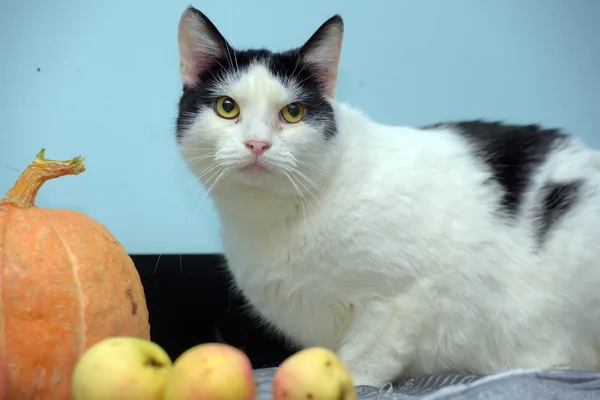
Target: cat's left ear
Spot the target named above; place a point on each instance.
(322, 52)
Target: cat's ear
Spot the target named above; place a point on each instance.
(200, 45)
(322, 52)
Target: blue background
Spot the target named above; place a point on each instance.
(108, 86)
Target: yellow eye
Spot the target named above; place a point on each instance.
(227, 108)
(292, 113)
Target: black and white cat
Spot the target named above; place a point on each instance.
(468, 246)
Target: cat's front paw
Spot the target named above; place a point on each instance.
(365, 379)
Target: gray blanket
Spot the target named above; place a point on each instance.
(559, 384)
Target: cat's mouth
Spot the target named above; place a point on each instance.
(254, 167)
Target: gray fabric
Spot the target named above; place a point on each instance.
(559, 384)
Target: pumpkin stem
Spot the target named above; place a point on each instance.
(25, 190)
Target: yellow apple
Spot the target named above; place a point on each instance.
(211, 371)
(124, 368)
(313, 373)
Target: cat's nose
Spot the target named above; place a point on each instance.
(257, 147)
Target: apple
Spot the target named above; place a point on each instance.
(124, 368)
(211, 371)
(313, 373)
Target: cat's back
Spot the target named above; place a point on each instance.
(515, 163)
(537, 186)
(530, 170)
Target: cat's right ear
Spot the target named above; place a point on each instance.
(200, 45)
(322, 52)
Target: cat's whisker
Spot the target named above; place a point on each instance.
(228, 55)
(198, 190)
(237, 67)
(308, 151)
(307, 178)
(215, 60)
(309, 76)
(196, 149)
(192, 180)
(202, 141)
(217, 180)
(206, 190)
(313, 167)
(203, 173)
(314, 184)
(196, 159)
(202, 155)
(220, 172)
(293, 173)
(306, 190)
(156, 266)
(310, 192)
(294, 70)
(299, 192)
(207, 170)
(295, 76)
(198, 141)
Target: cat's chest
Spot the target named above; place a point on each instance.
(288, 281)
(287, 260)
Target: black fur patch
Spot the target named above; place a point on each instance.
(281, 64)
(557, 198)
(512, 152)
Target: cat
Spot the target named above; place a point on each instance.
(468, 246)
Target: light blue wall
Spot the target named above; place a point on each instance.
(108, 86)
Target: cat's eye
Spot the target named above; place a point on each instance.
(226, 107)
(292, 113)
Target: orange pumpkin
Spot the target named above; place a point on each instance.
(4, 383)
(65, 284)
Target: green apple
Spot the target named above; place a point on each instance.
(124, 368)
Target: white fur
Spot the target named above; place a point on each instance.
(399, 262)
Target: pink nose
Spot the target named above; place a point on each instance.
(257, 146)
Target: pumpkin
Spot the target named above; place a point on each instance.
(65, 284)
(3, 380)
